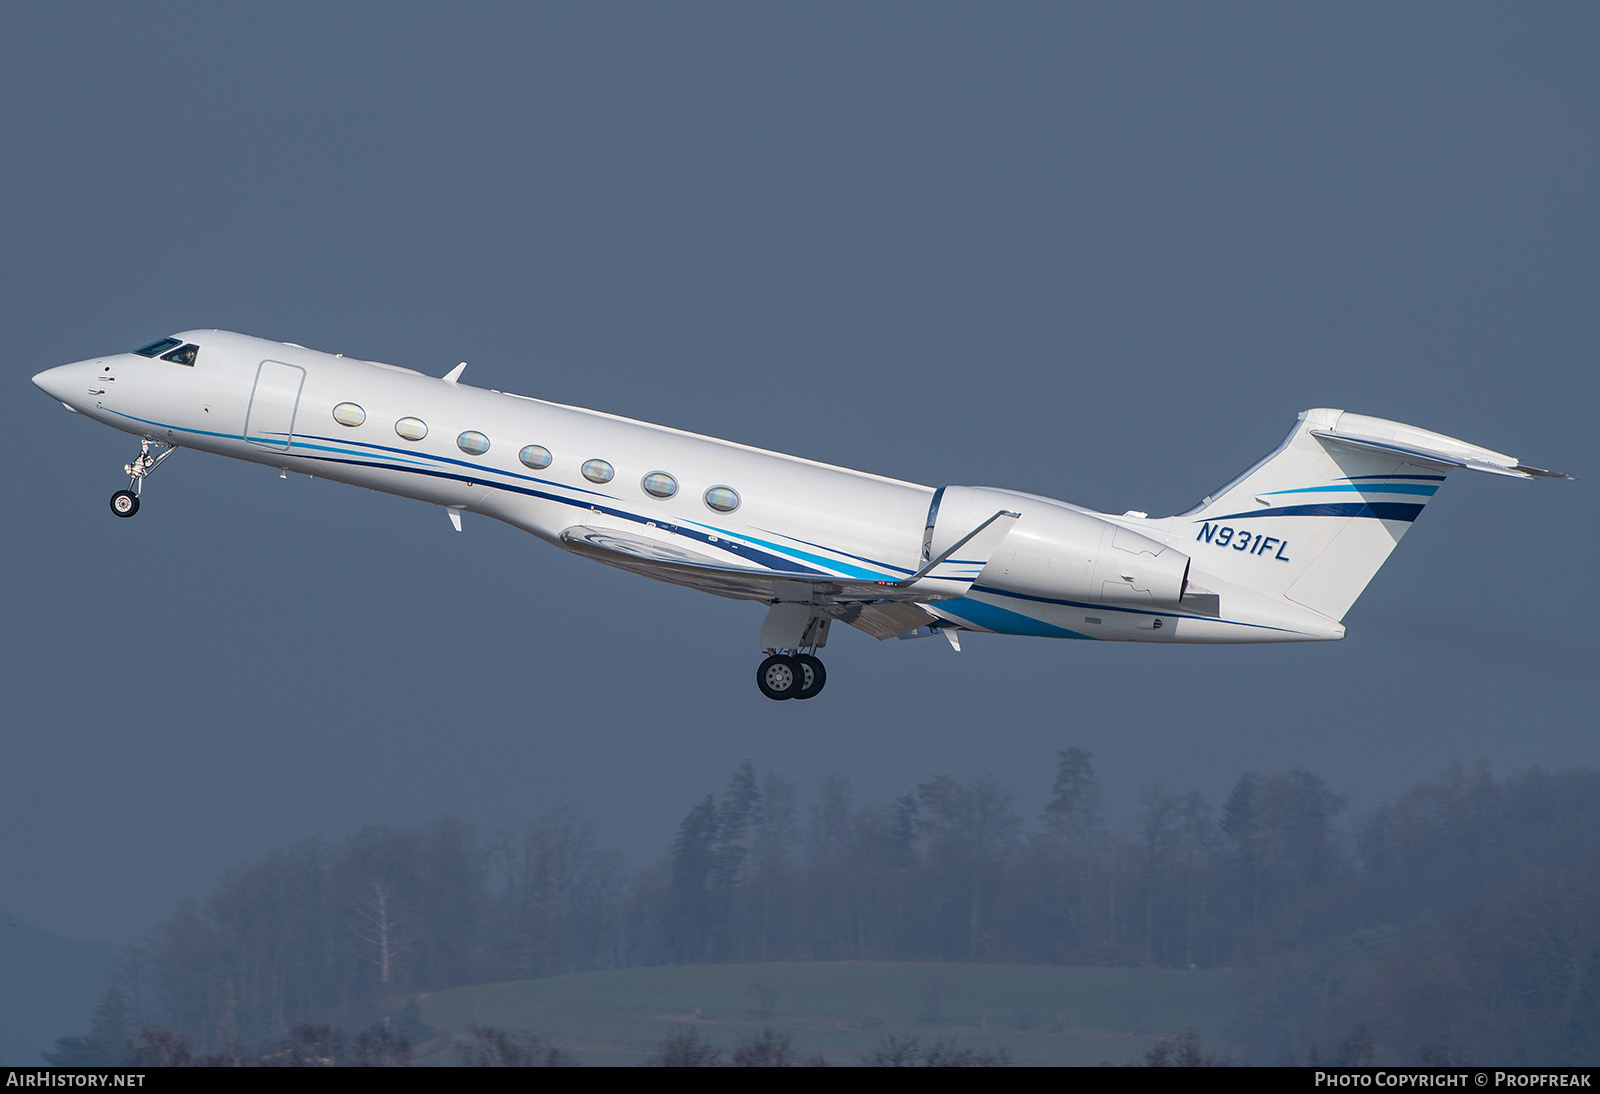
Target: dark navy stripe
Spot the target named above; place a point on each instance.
(1382, 510)
(414, 453)
(764, 558)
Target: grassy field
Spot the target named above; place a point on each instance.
(1040, 1014)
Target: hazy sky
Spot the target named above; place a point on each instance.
(1100, 252)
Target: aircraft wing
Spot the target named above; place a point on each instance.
(678, 564)
(665, 560)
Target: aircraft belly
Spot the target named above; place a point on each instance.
(1022, 614)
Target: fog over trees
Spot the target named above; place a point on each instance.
(1454, 924)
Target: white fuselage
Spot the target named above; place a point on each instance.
(1062, 571)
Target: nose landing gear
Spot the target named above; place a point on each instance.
(125, 503)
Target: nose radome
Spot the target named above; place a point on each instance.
(64, 382)
(51, 381)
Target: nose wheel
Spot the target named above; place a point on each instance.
(125, 503)
(791, 676)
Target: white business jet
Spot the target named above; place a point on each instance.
(1277, 555)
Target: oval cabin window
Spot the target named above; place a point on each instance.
(597, 471)
(659, 484)
(349, 414)
(724, 499)
(473, 443)
(412, 429)
(536, 456)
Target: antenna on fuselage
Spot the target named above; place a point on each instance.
(454, 374)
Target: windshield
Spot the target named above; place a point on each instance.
(156, 349)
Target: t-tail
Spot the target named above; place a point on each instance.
(1314, 520)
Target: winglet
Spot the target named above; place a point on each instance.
(454, 374)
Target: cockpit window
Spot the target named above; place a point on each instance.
(182, 356)
(156, 349)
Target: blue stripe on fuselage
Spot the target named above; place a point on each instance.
(992, 617)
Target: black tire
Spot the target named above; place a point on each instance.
(779, 677)
(124, 503)
(812, 676)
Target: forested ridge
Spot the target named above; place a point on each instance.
(1455, 924)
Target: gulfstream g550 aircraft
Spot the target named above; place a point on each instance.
(1277, 555)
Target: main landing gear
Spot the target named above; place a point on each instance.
(125, 503)
(791, 676)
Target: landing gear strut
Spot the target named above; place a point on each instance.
(791, 635)
(791, 676)
(125, 503)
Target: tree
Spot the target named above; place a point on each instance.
(696, 910)
(968, 833)
(769, 1048)
(380, 924)
(560, 900)
(686, 1048)
(892, 1051)
(487, 1047)
(1074, 810)
(106, 1043)
(1184, 1050)
(381, 1046)
(1074, 876)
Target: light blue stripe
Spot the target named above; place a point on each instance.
(1397, 488)
(356, 452)
(819, 560)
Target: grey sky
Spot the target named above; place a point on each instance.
(1100, 252)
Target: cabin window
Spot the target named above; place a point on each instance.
(349, 414)
(156, 349)
(659, 484)
(597, 471)
(536, 456)
(184, 355)
(412, 429)
(473, 443)
(724, 499)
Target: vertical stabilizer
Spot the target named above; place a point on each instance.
(1314, 520)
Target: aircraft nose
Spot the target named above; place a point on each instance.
(51, 381)
(60, 382)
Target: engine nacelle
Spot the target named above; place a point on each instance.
(1061, 553)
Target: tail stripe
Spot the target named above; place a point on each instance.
(1382, 510)
(1389, 488)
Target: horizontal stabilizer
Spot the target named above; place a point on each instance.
(1380, 435)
